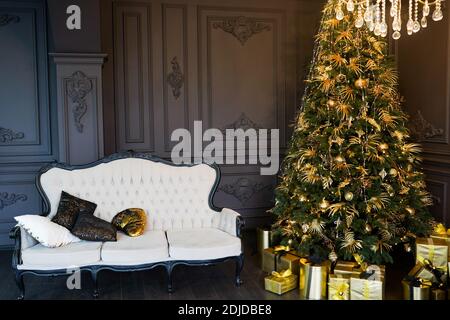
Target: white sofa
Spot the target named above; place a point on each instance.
(183, 227)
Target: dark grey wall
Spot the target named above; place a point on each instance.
(78, 41)
(27, 140)
(28, 95)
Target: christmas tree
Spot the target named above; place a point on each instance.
(351, 181)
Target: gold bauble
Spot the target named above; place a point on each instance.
(324, 204)
(410, 210)
(290, 242)
(368, 228)
(303, 198)
(383, 147)
(331, 103)
(393, 172)
(362, 83)
(348, 196)
(339, 159)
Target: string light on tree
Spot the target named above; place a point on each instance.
(373, 14)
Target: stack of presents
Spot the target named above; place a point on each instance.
(428, 280)
(355, 280)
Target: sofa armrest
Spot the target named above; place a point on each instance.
(22, 240)
(15, 234)
(231, 222)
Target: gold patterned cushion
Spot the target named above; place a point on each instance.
(131, 221)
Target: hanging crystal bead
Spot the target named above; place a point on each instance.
(350, 6)
(437, 14)
(424, 22)
(396, 35)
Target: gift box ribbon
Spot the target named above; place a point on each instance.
(339, 290)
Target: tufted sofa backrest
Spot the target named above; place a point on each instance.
(174, 197)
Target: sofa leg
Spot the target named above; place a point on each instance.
(239, 266)
(20, 285)
(94, 276)
(169, 269)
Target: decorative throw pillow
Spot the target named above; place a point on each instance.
(90, 228)
(69, 208)
(48, 233)
(131, 221)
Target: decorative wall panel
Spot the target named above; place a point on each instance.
(133, 70)
(80, 108)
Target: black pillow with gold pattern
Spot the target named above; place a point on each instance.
(90, 228)
(69, 208)
(131, 221)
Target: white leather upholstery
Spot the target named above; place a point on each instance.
(173, 197)
(176, 200)
(76, 254)
(202, 244)
(148, 248)
(227, 221)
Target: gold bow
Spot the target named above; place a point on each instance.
(339, 290)
(281, 248)
(282, 274)
(360, 261)
(441, 230)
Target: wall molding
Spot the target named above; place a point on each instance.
(244, 189)
(6, 19)
(8, 199)
(423, 130)
(9, 135)
(242, 27)
(175, 78)
(80, 108)
(243, 122)
(78, 87)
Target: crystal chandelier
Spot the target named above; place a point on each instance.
(373, 14)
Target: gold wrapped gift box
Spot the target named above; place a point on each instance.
(273, 260)
(416, 289)
(421, 272)
(438, 294)
(263, 239)
(347, 268)
(313, 280)
(339, 287)
(281, 282)
(441, 233)
(369, 285)
(434, 250)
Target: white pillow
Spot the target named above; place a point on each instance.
(45, 231)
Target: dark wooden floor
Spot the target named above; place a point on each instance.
(214, 282)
